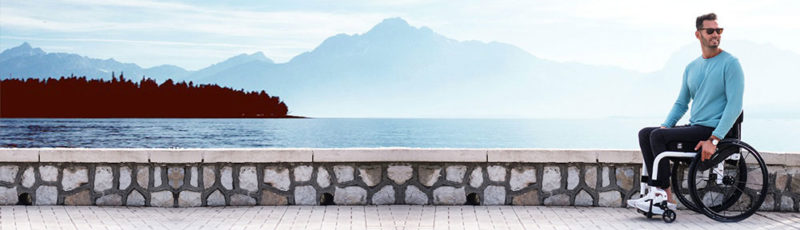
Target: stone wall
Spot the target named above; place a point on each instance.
(346, 177)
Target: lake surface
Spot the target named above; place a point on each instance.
(779, 135)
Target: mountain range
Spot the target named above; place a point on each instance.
(398, 70)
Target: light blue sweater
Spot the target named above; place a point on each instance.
(715, 87)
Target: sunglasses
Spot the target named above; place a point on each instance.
(711, 30)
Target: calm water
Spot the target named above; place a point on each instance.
(765, 134)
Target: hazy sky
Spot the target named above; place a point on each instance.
(638, 35)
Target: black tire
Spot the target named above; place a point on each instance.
(680, 170)
(743, 188)
(668, 216)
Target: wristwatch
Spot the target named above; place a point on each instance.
(714, 141)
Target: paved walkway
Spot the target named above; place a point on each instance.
(367, 217)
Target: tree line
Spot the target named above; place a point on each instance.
(78, 97)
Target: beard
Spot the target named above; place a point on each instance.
(712, 43)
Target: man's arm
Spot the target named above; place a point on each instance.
(681, 104)
(734, 91)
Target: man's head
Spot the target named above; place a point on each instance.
(708, 23)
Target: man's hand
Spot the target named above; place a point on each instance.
(708, 149)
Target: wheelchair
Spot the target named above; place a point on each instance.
(728, 187)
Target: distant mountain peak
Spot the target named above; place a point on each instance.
(22, 50)
(395, 26)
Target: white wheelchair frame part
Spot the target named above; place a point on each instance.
(718, 169)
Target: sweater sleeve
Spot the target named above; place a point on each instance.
(734, 91)
(681, 104)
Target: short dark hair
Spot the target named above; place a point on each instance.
(701, 18)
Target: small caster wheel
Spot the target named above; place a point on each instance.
(668, 216)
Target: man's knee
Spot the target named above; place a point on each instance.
(657, 135)
(645, 132)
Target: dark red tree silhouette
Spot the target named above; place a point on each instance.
(77, 97)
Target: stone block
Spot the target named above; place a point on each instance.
(248, 178)
(271, 198)
(215, 199)
(46, 195)
(242, 200)
(496, 173)
(323, 177)
(156, 176)
(456, 173)
(226, 177)
(93, 155)
(175, 176)
(399, 155)
(343, 173)
(28, 177)
(302, 173)
(591, 176)
(619, 156)
(143, 176)
(610, 199)
(400, 173)
(103, 179)
(209, 176)
(541, 155)
(370, 175)
(161, 199)
(606, 178)
(124, 177)
(625, 177)
(557, 200)
(528, 198)
(74, 177)
(448, 195)
(277, 177)
(257, 155)
(769, 203)
(551, 178)
(352, 195)
(429, 175)
(781, 178)
(384, 196)
(19, 155)
(494, 195)
(48, 173)
(415, 196)
(787, 204)
(573, 177)
(135, 199)
(522, 178)
(81, 198)
(175, 156)
(189, 199)
(109, 200)
(584, 199)
(476, 177)
(8, 173)
(305, 195)
(8, 196)
(193, 180)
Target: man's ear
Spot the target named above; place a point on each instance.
(697, 34)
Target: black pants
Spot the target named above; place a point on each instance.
(654, 140)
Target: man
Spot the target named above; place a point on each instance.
(714, 83)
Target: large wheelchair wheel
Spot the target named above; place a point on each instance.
(680, 184)
(730, 186)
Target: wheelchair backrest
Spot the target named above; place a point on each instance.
(736, 129)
